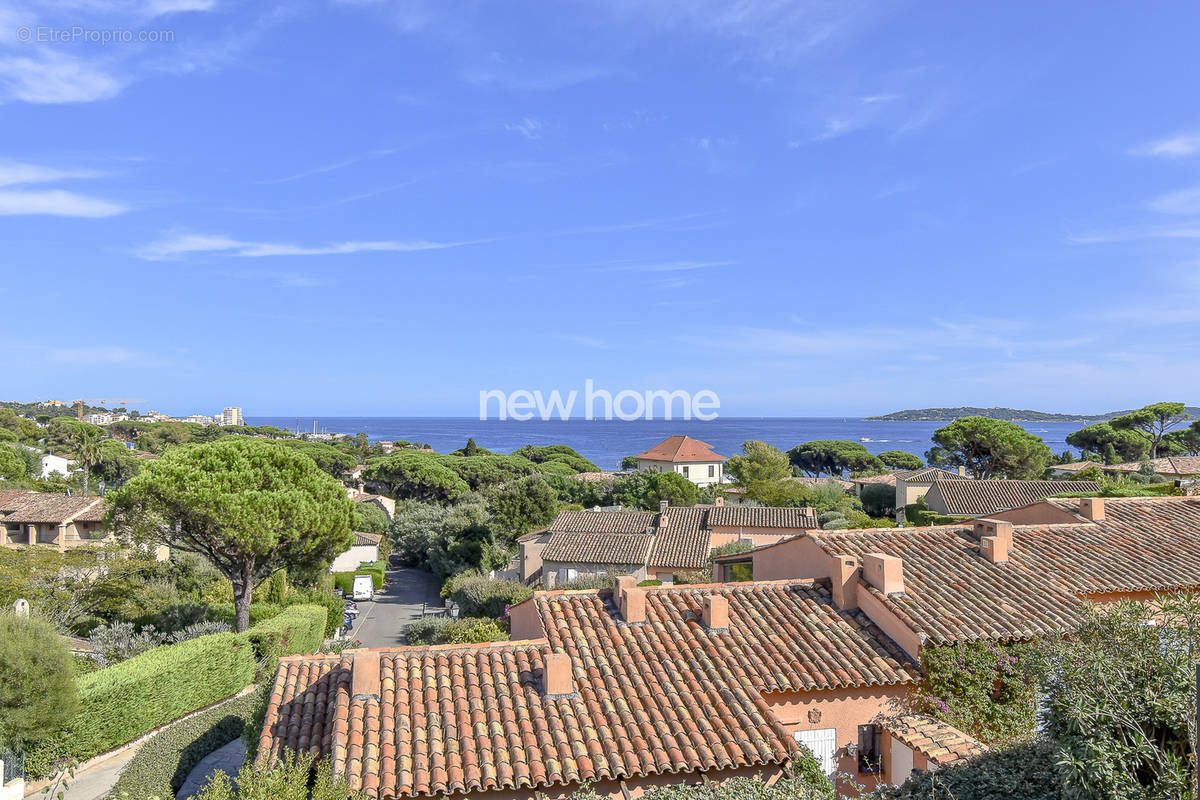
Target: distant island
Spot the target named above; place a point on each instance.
(1010, 414)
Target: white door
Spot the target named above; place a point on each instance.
(823, 744)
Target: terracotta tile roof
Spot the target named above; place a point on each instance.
(928, 475)
(1143, 544)
(940, 742)
(1078, 466)
(366, 539)
(598, 548)
(953, 593)
(688, 548)
(11, 498)
(888, 479)
(473, 719)
(679, 449)
(41, 507)
(685, 542)
(1174, 465)
(959, 498)
(604, 521)
(761, 517)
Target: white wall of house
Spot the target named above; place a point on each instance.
(701, 473)
(349, 560)
(52, 464)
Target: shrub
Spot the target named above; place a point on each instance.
(197, 630)
(650, 582)
(119, 641)
(837, 524)
(588, 581)
(299, 629)
(162, 764)
(1026, 771)
(124, 701)
(282, 779)
(38, 687)
(878, 499)
(259, 612)
(427, 630)
(446, 630)
(692, 576)
(829, 516)
(478, 595)
(475, 629)
(323, 596)
(730, 548)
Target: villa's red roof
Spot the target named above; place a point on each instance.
(678, 449)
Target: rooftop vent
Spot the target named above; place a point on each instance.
(884, 572)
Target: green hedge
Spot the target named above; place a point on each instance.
(162, 764)
(478, 595)
(298, 630)
(259, 612)
(129, 699)
(446, 630)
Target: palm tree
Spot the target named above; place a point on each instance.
(86, 449)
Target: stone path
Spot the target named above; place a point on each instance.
(228, 760)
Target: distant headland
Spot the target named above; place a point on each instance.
(1010, 414)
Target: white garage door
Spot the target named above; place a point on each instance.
(823, 744)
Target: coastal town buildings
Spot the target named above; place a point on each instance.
(54, 520)
(691, 458)
(956, 498)
(232, 415)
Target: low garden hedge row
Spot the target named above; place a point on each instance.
(127, 700)
(446, 630)
(163, 763)
(122, 702)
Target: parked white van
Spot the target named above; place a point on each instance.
(364, 589)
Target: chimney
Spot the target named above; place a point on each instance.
(885, 573)
(662, 506)
(630, 599)
(716, 612)
(719, 500)
(557, 680)
(845, 582)
(364, 674)
(1092, 508)
(662, 514)
(995, 538)
(962, 471)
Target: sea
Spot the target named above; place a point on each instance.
(606, 442)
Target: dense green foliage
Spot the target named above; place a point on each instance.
(369, 518)
(446, 540)
(286, 779)
(647, 488)
(162, 764)
(124, 701)
(1024, 771)
(37, 687)
(757, 462)
(560, 453)
(298, 630)
(833, 457)
(478, 595)
(1118, 698)
(249, 506)
(1109, 444)
(878, 499)
(982, 688)
(521, 506)
(345, 580)
(1152, 423)
(901, 459)
(445, 630)
(989, 448)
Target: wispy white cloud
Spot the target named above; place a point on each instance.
(1181, 201)
(528, 127)
(668, 266)
(16, 200)
(56, 202)
(1134, 233)
(335, 165)
(1180, 145)
(56, 78)
(522, 77)
(183, 244)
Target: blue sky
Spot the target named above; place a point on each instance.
(810, 208)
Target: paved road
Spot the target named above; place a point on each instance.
(381, 622)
